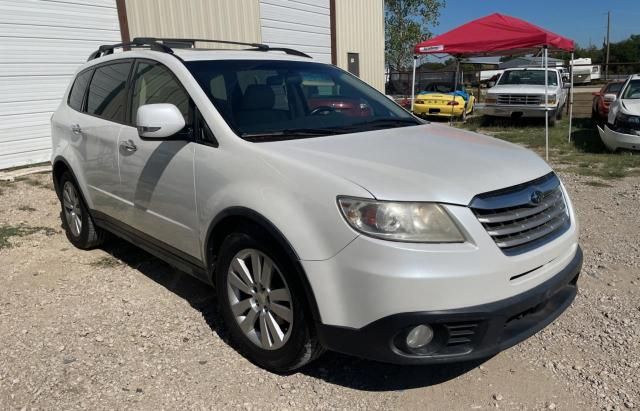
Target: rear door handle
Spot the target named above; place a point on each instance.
(75, 129)
(128, 146)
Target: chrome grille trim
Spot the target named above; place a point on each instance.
(520, 99)
(515, 222)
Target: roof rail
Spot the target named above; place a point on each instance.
(156, 44)
(107, 49)
(254, 46)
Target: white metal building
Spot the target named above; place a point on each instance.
(41, 45)
(42, 42)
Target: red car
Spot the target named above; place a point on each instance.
(603, 98)
(345, 105)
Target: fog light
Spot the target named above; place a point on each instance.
(419, 336)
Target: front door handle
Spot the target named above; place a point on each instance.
(128, 146)
(75, 129)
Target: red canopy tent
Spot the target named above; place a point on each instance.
(493, 35)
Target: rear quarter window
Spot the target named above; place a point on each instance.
(76, 96)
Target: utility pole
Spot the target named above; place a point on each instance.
(606, 63)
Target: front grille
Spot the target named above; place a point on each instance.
(523, 217)
(519, 99)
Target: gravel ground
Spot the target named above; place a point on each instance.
(115, 328)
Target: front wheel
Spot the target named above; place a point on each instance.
(262, 303)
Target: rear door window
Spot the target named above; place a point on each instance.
(108, 91)
(76, 96)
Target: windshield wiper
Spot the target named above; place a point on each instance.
(289, 134)
(382, 123)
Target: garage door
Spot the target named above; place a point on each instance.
(303, 25)
(42, 43)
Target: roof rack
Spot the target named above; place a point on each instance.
(254, 46)
(157, 44)
(107, 49)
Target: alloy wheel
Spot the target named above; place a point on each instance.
(72, 208)
(260, 299)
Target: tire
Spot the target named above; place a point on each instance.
(279, 349)
(76, 220)
(552, 121)
(559, 113)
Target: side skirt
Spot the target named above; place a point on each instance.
(171, 255)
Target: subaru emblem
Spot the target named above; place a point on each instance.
(536, 197)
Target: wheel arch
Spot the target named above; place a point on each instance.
(60, 165)
(235, 217)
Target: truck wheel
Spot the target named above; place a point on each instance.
(262, 303)
(552, 120)
(76, 220)
(559, 113)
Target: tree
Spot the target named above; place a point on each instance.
(407, 23)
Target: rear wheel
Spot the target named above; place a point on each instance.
(263, 304)
(76, 220)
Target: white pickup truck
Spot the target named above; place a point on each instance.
(519, 92)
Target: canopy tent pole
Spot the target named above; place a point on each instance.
(571, 96)
(546, 101)
(413, 81)
(455, 87)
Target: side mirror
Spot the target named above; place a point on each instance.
(610, 97)
(159, 120)
(566, 85)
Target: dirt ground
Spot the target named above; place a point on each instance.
(115, 328)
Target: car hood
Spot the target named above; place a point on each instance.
(631, 106)
(430, 162)
(520, 89)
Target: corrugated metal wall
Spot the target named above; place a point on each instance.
(360, 29)
(237, 20)
(303, 25)
(42, 43)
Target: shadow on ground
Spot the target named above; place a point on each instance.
(332, 367)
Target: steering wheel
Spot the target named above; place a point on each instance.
(323, 110)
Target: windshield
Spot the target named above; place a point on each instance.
(441, 88)
(294, 99)
(528, 77)
(632, 91)
(613, 88)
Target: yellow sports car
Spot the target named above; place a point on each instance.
(439, 99)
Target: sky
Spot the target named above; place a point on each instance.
(583, 20)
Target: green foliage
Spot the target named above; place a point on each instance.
(8, 231)
(585, 154)
(407, 23)
(625, 51)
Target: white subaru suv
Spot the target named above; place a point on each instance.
(324, 215)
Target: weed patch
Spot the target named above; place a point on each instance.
(8, 231)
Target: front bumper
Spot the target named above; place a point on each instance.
(515, 111)
(461, 334)
(615, 140)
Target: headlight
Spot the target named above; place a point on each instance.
(627, 120)
(410, 222)
(490, 100)
(550, 100)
